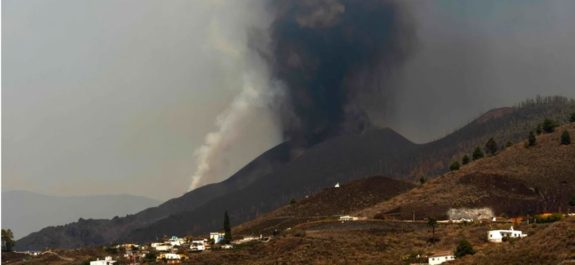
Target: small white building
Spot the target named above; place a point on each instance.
(336, 185)
(161, 247)
(170, 256)
(198, 245)
(106, 261)
(497, 236)
(345, 218)
(217, 237)
(175, 241)
(440, 257)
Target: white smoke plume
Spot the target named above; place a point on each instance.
(248, 116)
(231, 127)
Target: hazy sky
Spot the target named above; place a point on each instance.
(118, 96)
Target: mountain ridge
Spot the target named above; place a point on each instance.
(287, 176)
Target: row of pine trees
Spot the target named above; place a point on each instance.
(491, 147)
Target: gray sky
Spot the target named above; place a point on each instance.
(114, 96)
(473, 56)
(118, 96)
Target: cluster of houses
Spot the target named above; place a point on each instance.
(172, 250)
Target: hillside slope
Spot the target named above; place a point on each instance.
(346, 199)
(554, 245)
(518, 180)
(285, 172)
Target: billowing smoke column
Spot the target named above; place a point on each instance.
(327, 53)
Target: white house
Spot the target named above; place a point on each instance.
(170, 256)
(345, 218)
(176, 241)
(336, 185)
(496, 236)
(162, 247)
(106, 261)
(198, 245)
(440, 257)
(217, 237)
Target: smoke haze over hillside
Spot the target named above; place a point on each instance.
(143, 91)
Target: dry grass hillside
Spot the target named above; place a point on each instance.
(517, 180)
(348, 198)
(553, 245)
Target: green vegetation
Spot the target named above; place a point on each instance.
(150, 257)
(548, 218)
(292, 201)
(549, 125)
(491, 147)
(565, 138)
(465, 160)
(227, 229)
(572, 118)
(477, 153)
(539, 129)
(7, 240)
(454, 166)
(508, 144)
(572, 201)
(532, 140)
(464, 248)
(422, 180)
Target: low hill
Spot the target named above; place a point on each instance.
(332, 201)
(553, 245)
(25, 212)
(518, 180)
(286, 171)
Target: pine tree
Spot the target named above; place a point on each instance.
(464, 248)
(549, 125)
(477, 154)
(539, 129)
(7, 240)
(432, 222)
(454, 166)
(532, 139)
(465, 160)
(227, 229)
(491, 147)
(565, 138)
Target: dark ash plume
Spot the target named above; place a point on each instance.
(329, 52)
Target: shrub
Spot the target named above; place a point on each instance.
(508, 144)
(477, 154)
(572, 118)
(548, 218)
(454, 166)
(532, 140)
(565, 138)
(464, 248)
(491, 147)
(539, 129)
(150, 257)
(549, 125)
(422, 180)
(292, 201)
(465, 160)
